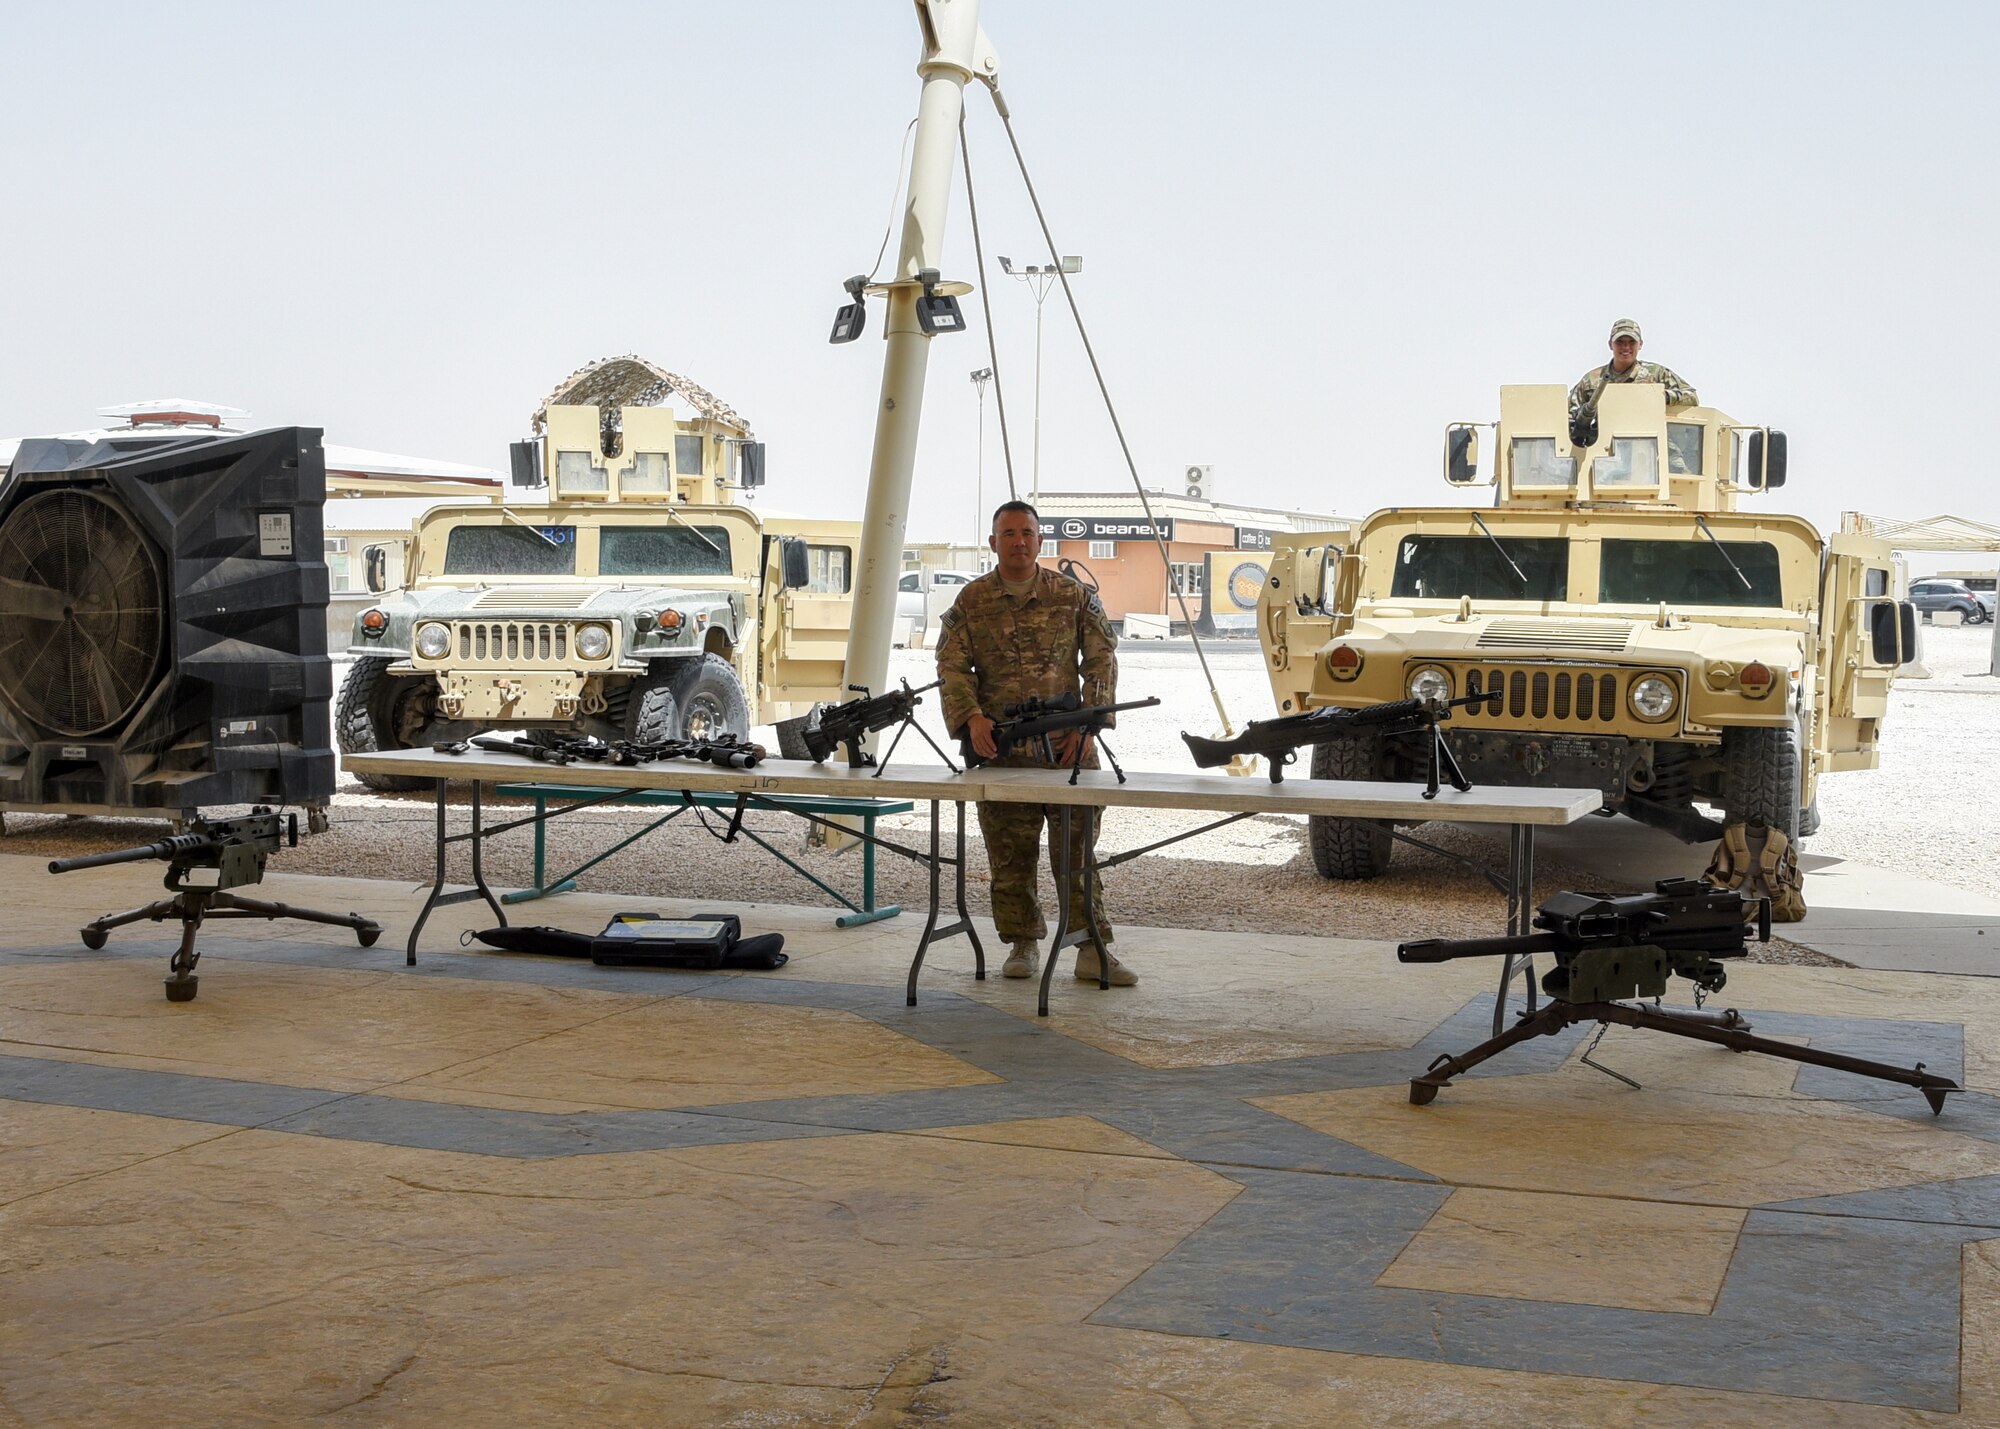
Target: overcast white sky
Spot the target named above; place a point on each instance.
(1312, 234)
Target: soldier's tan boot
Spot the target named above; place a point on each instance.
(1087, 969)
(1024, 961)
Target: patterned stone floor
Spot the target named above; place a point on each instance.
(508, 1190)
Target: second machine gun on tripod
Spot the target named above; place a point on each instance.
(1036, 722)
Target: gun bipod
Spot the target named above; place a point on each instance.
(1724, 1029)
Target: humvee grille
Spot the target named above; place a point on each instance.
(1566, 697)
(1555, 635)
(512, 642)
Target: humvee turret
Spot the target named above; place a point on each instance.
(641, 600)
(1637, 634)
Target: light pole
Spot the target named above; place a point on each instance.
(1038, 280)
(979, 380)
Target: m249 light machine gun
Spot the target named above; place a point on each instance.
(236, 850)
(1611, 947)
(1034, 721)
(1278, 740)
(834, 725)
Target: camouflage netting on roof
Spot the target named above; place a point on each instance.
(611, 383)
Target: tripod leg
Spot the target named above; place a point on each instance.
(1546, 1023)
(182, 985)
(93, 933)
(367, 930)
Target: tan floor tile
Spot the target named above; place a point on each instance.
(1580, 1250)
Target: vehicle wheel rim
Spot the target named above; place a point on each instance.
(704, 719)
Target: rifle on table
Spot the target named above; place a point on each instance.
(1610, 947)
(728, 751)
(830, 726)
(1032, 721)
(1278, 740)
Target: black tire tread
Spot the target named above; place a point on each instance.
(1348, 849)
(354, 723)
(1760, 776)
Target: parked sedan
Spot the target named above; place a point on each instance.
(910, 590)
(1932, 596)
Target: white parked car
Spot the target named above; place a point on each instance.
(914, 585)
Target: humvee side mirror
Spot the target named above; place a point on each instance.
(1461, 455)
(1767, 460)
(1892, 632)
(797, 563)
(750, 465)
(375, 569)
(525, 463)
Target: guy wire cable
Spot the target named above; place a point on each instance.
(986, 308)
(1007, 120)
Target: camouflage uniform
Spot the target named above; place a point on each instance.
(1583, 396)
(993, 651)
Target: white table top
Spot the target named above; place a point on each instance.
(1218, 793)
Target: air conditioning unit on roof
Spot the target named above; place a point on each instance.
(1200, 482)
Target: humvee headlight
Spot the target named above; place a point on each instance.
(1430, 683)
(593, 642)
(1652, 697)
(433, 640)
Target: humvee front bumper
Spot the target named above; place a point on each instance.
(1520, 759)
(497, 697)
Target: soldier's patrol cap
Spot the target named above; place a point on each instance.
(1625, 327)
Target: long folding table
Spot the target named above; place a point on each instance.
(1520, 811)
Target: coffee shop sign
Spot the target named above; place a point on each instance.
(1101, 528)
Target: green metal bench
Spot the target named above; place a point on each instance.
(821, 805)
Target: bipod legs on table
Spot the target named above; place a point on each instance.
(963, 923)
(192, 906)
(1722, 1029)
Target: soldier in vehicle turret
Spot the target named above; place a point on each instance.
(1625, 366)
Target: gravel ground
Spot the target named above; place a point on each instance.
(1253, 876)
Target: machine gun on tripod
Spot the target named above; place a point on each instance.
(236, 849)
(850, 723)
(1278, 740)
(1610, 947)
(1034, 721)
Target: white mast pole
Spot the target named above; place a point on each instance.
(955, 50)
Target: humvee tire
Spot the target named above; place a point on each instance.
(373, 705)
(1348, 849)
(1760, 777)
(654, 716)
(792, 738)
(710, 699)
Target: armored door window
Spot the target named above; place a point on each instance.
(687, 455)
(831, 574)
(581, 471)
(1684, 448)
(1447, 567)
(1634, 461)
(674, 550)
(510, 551)
(1538, 462)
(650, 471)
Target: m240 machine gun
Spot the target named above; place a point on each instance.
(236, 850)
(1611, 947)
(1035, 721)
(850, 723)
(1279, 740)
(726, 751)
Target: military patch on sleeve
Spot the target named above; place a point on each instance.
(1094, 612)
(950, 620)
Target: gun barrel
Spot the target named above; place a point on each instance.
(165, 848)
(1444, 950)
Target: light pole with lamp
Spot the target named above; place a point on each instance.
(1038, 280)
(980, 378)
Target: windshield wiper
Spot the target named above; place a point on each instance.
(531, 526)
(1519, 574)
(697, 530)
(1702, 522)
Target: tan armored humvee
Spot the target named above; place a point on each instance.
(641, 600)
(1636, 632)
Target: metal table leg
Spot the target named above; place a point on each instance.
(963, 924)
(1520, 919)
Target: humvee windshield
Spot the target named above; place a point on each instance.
(510, 551)
(1447, 567)
(662, 551)
(1690, 572)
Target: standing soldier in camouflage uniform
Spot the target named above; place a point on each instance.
(1625, 366)
(1015, 633)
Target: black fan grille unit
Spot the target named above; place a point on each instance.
(83, 621)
